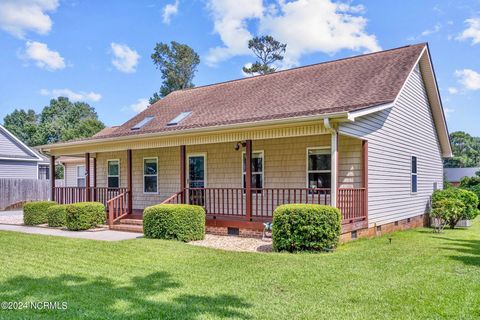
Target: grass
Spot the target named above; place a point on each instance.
(419, 275)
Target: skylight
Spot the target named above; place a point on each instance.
(142, 123)
(179, 118)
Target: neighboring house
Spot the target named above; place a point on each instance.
(19, 161)
(454, 175)
(366, 134)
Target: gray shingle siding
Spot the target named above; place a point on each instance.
(395, 135)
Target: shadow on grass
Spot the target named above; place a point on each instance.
(469, 250)
(101, 298)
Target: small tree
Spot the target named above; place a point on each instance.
(178, 63)
(447, 211)
(268, 51)
(467, 198)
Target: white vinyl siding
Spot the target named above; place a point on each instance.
(9, 147)
(18, 169)
(394, 135)
(70, 173)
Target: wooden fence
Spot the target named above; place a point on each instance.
(17, 190)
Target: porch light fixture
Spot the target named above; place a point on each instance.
(179, 118)
(240, 144)
(142, 123)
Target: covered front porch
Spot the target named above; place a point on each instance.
(328, 169)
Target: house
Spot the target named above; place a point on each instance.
(366, 134)
(454, 175)
(19, 161)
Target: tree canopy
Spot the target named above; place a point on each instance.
(178, 63)
(61, 120)
(268, 51)
(466, 151)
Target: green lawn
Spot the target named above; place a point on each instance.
(418, 276)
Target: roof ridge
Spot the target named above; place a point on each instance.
(299, 67)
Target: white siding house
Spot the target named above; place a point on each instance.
(18, 160)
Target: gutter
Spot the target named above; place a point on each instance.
(343, 114)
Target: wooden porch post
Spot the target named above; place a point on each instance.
(52, 178)
(129, 181)
(94, 179)
(365, 176)
(182, 173)
(248, 179)
(334, 170)
(87, 176)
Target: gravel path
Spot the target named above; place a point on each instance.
(11, 217)
(234, 243)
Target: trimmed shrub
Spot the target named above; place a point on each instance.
(57, 215)
(447, 211)
(466, 197)
(36, 212)
(181, 222)
(305, 227)
(85, 215)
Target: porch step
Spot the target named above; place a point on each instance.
(128, 227)
(138, 222)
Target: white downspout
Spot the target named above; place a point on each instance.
(334, 161)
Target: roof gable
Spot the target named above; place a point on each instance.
(12, 148)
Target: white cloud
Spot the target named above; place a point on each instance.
(469, 78)
(306, 26)
(125, 59)
(448, 112)
(169, 11)
(473, 31)
(44, 57)
(452, 90)
(140, 105)
(19, 16)
(230, 22)
(433, 30)
(72, 95)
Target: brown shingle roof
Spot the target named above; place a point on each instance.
(105, 131)
(342, 85)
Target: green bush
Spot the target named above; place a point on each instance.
(448, 211)
(174, 221)
(466, 197)
(36, 212)
(305, 227)
(84, 215)
(57, 215)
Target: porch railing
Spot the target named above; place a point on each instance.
(67, 195)
(231, 202)
(117, 208)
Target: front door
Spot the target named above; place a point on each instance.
(196, 179)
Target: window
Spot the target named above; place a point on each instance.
(113, 174)
(150, 175)
(319, 162)
(179, 118)
(414, 174)
(142, 123)
(257, 169)
(81, 176)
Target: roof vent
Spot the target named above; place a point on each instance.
(179, 118)
(142, 123)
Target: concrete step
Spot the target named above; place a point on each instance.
(138, 222)
(128, 227)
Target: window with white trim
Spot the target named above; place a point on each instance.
(81, 176)
(414, 186)
(113, 173)
(150, 175)
(319, 168)
(257, 169)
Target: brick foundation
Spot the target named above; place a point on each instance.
(245, 233)
(404, 224)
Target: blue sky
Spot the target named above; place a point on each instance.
(99, 51)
